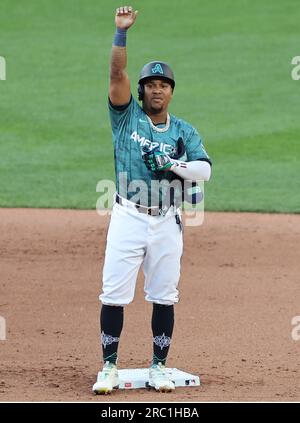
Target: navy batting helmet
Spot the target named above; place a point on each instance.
(157, 70)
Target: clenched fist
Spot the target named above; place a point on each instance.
(125, 17)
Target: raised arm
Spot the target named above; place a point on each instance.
(119, 87)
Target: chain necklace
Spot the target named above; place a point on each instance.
(155, 128)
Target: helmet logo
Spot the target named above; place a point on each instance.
(157, 69)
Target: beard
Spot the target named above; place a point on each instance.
(156, 110)
(153, 107)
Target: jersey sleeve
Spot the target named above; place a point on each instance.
(195, 149)
(119, 115)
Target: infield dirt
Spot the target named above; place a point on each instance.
(239, 291)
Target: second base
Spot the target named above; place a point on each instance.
(139, 378)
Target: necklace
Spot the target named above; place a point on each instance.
(155, 128)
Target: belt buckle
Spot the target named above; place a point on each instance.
(152, 212)
(156, 212)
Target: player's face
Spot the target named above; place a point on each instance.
(158, 94)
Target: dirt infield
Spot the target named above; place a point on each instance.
(239, 291)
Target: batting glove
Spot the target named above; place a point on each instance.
(157, 161)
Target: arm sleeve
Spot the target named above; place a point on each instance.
(198, 170)
(195, 149)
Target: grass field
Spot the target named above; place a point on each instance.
(232, 62)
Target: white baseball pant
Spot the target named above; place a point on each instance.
(135, 238)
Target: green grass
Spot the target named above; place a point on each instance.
(232, 62)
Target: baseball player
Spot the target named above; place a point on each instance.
(152, 149)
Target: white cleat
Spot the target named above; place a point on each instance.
(159, 379)
(107, 380)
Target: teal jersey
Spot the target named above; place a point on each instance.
(132, 131)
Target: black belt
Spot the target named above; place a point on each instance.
(151, 211)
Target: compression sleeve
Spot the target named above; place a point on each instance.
(198, 170)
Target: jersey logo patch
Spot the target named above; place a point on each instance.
(157, 69)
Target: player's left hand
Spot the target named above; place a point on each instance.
(157, 161)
